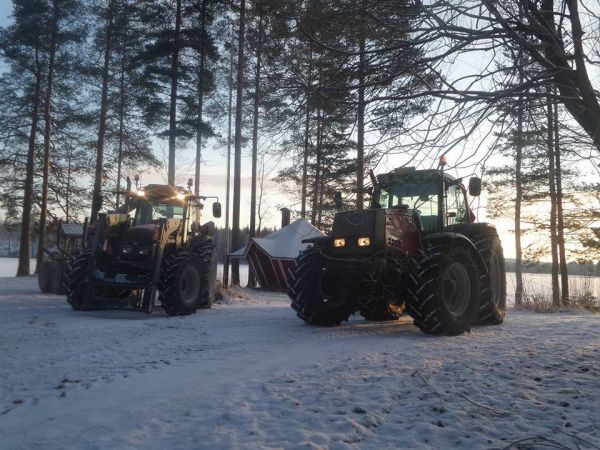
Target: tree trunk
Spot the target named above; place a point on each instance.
(237, 164)
(360, 127)
(317, 183)
(552, 185)
(306, 137)
(564, 273)
(200, 100)
(518, 202)
(23, 268)
(227, 231)
(251, 280)
(173, 102)
(321, 200)
(121, 126)
(47, 136)
(99, 175)
(68, 187)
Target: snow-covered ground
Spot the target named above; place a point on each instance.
(248, 374)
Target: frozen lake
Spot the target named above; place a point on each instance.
(533, 282)
(8, 268)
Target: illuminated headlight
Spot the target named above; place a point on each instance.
(144, 251)
(364, 241)
(141, 193)
(126, 249)
(180, 196)
(341, 242)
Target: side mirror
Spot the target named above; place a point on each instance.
(337, 199)
(475, 186)
(216, 209)
(194, 227)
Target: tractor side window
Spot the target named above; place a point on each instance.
(456, 209)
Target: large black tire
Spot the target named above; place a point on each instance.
(57, 282)
(443, 289)
(319, 296)
(74, 280)
(492, 301)
(379, 302)
(188, 281)
(45, 275)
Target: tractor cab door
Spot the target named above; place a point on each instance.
(457, 210)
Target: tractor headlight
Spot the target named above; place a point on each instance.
(364, 241)
(180, 196)
(144, 251)
(141, 193)
(126, 250)
(340, 242)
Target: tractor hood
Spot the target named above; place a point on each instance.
(366, 225)
(364, 232)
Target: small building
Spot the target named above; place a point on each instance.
(272, 258)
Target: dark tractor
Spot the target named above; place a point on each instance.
(153, 244)
(416, 249)
(69, 242)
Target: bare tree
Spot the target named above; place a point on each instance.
(237, 164)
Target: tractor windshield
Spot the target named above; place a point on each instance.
(422, 197)
(147, 212)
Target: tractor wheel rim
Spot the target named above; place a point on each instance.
(495, 279)
(189, 285)
(456, 289)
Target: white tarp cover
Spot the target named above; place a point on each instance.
(285, 243)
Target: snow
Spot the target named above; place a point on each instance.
(248, 374)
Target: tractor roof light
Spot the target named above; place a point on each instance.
(443, 161)
(141, 193)
(180, 196)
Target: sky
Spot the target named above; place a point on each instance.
(213, 175)
(5, 11)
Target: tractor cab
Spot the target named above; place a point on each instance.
(437, 199)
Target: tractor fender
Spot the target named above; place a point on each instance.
(472, 229)
(208, 228)
(451, 237)
(198, 241)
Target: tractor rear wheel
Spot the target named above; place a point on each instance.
(319, 295)
(492, 302)
(379, 311)
(188, 281)
(380, 302)
(74, 280)
(443, 289)
(57, 282)
(45, 275)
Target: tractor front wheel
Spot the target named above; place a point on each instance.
(74, 280)
(443, 289)
(320, 296)
(188, 281)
